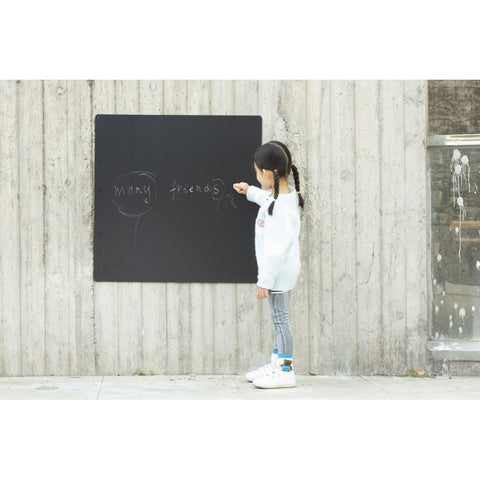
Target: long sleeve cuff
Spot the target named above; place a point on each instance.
(265, 281)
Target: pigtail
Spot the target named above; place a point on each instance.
(297, 184)
(276, 190)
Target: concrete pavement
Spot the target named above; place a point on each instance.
(235, 387)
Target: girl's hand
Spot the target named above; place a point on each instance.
(241, 187)
(262, 293)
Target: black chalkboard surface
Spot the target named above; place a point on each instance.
(165, 209)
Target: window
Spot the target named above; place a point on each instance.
(454, 187)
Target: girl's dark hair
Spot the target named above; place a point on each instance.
(276, 157)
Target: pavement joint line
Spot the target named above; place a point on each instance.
(100, 387)
(375, 386)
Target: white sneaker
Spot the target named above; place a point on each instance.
(259, 372)
(276, 378)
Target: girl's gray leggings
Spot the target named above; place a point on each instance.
(282, 332)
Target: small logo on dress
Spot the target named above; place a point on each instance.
(260, 223)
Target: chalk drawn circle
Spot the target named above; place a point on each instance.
(134, 193)
(218, 189)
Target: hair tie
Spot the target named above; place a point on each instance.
(298, 191)
(276, 171)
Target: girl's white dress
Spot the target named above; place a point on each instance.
(277, 239)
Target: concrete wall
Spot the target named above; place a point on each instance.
(360, 306)
(453, 107)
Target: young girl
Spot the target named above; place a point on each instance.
(277, 230)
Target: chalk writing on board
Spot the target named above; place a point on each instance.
(214, 188)
(144, 190)
(134, 195)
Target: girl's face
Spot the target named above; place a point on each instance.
(264, 177)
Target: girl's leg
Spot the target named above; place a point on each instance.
(282, 332)
(282, 375)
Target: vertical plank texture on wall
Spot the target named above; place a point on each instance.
(343, 213)
(393, 234)
(416, 223)
(359, 147)
(318, 197)
(80, 227)
(32, 226)
(59, 321)
(367, 173)
(10, 251)
(106, 294)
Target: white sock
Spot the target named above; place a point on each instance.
(274, 357)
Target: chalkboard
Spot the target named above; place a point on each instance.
(165, 209)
